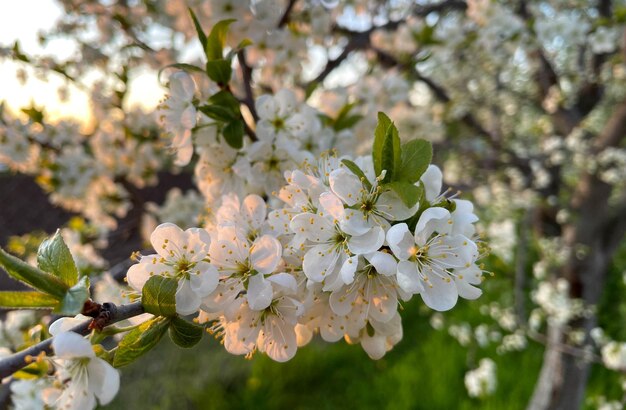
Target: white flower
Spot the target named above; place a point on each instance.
(178, 115)
(243, 266)
(434, 263)
(332, 260)
(180, 255)
(481, 381)
(614, 355)
(366, 207)
(85, 376)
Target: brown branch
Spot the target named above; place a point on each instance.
(246, 75)
(107, 314)
(444, 6)
(285, 17)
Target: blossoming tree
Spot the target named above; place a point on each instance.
(314, 211)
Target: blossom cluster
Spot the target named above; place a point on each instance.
(336, 255)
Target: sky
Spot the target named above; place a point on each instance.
(19, 22)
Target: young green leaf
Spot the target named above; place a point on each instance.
(217, 38)
(379, 139)
(140, 340)
(218, 113)
(226, 100)
(408, 193)
(416, 156)
(73, 301)
(201, 36)
(219, 70)
(180, 66)
(391, 154)
(159, 296)
(233, 133)
(53, 256)
(30, 300)
(354, 168)
(32, 276)
(184, 333)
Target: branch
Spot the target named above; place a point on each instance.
(285, 17)
(426, 9)
(104, 315)
(246, 75)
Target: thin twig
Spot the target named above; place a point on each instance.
(246, 75)
(285, 17)
(109, 313)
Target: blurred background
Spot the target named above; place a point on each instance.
(524, 102)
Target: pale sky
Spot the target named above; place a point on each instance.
(22, 20)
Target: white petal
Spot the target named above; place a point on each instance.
(375, 346)
(182, 85)
(393, 208)
(284, 280)
(341, 301)
(348, 269)
(70, 345)
(167, 237)
(259, 293)
(64, 324)
(400, 240)
(408, 278)
(278, 339)
(188, 117)
(319, 262)
(266, 107)
(197, 240)
(104, 380)
(465, 290)
(346, 186)
(204, 282)
(184, 153)
(435, 219)
(432, 180)
(439, 293)
(254, 210)
(384, 263)
(332, 205)
(187, 301)
(314, 227)
(370, 242)
(265, 254)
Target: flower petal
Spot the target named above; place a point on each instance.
(104, 380)
(70, 345)
(259, 293)
(265, 254)
(370, 242)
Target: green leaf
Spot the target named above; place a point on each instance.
(218, 113)
(140, 340)
(73, 301)
(416, 156)
(31, 300)
(354, 168)
(233, 133)
(226, 100)
(242, 44)
(201, 36)
(391, 154)
(159, 296)
(409, 194)
(214, 49)
(344, 120)
(184, 333)
(53, 256)
(180, 66)
(32, 276)
(384, 123)
(219, 71)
